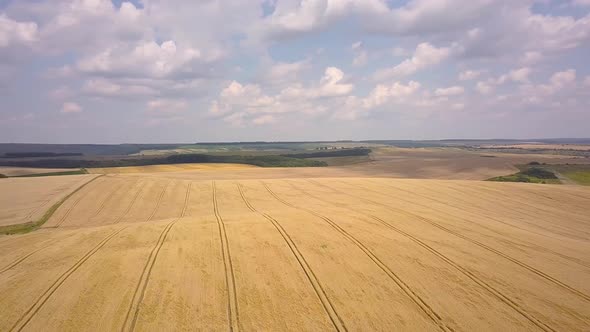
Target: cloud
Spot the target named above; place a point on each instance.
(425, 55)
(396, 92)
(167, 106)
(101, 87)
(531, 57)
(241, 103)
(361, 56)
(14, 32)
(71, 107)
(285, 72)
(146, 59)
(331, 84)
(290, 18)
(517, 75)
(468, 75)
(265, 119)
(484, 88)
(450, 91)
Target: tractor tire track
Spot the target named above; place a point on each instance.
(475, 242)
(496, 293)
(313, 280)
(131, 204)
(485, 190)
(45, 202)
(19, 260)
(38, 304)
(159, 201)
(76, 202)
(435, 317)
(505, 202)
(110, 197)
(230, 280)
(558, 230)
(140, 289)
(533, 247)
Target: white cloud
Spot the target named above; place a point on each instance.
(295, 18)
(419, 17)
(360, 59)
(167, 105)
(147, 59)
(264, 119)
(361, 56)
(560, 85)
(396, 92)
(240, 103)
(331, 84)
(282, 72)
(457, 106)
(70, 107)
(563, 78)
(400, 51)
(106, 88)
(450, 91)
(484, 88)
(13, 32)
(468, 75)
(517, 75)
(531, 57)
(425, 55)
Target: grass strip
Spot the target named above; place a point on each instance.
(76, 172)
(33, 225)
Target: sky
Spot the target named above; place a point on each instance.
(170, 71)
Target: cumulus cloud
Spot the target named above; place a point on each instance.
(71, 107)
(468, 75)
(484, 88)
(450, 91)
(250, 102)
(147, 59)
(105, 88)
(361, 56)
(163, 58)
(331, 84)
(264, 119)
(14, 32)
(517, 75)
(383, 94)
(284, 72)
(425, 55)
(167, 105)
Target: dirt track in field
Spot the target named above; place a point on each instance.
(159, 253)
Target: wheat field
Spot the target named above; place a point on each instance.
(150, 253)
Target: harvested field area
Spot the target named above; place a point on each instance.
(20, 171)
(26, 199)
(168, 168)
(130, 252)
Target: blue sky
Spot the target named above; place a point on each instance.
(101, 71)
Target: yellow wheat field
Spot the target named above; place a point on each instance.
(25, 200)
(347, 254)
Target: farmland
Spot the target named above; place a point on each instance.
(174, 251)
(22, 201)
